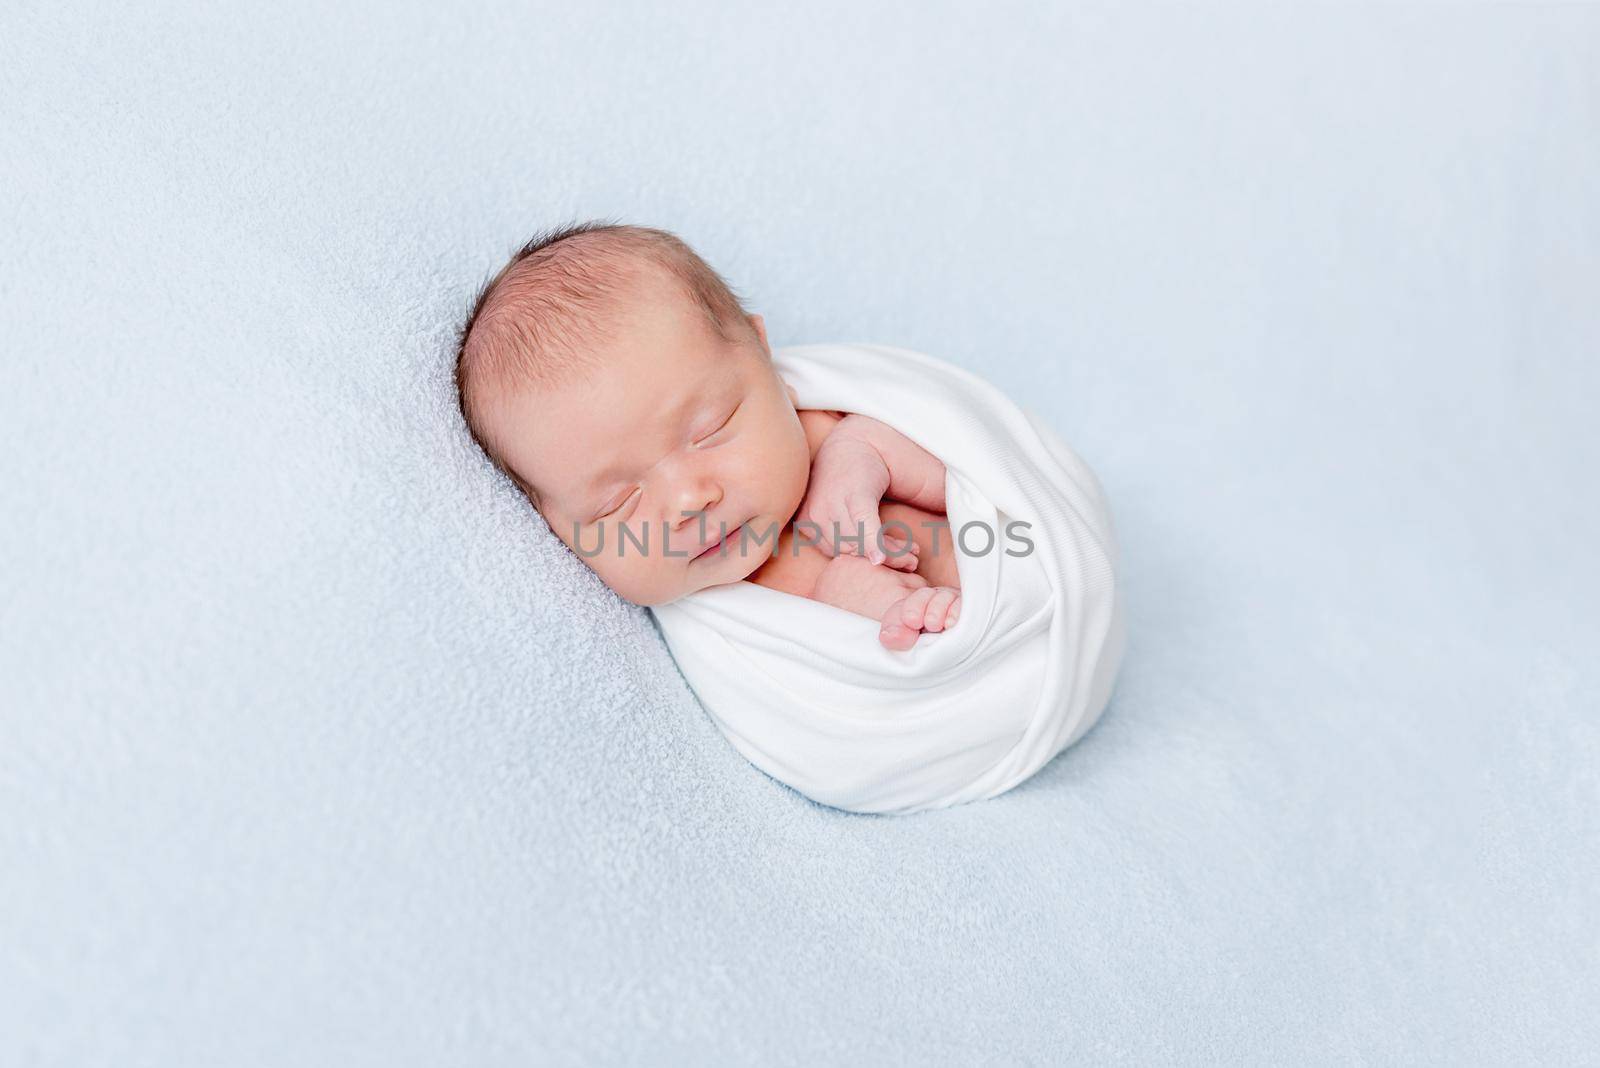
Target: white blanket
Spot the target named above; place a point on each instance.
(805, 690)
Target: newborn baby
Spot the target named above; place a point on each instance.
(620, 384)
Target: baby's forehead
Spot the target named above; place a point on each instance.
(636, 387)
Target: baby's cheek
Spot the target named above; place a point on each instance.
(646, 579)
(791, 479)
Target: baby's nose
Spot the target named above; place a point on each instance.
(696, 495)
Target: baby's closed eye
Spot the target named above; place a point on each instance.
(723, 425)
(608, 513)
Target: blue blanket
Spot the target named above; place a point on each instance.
(318, 748)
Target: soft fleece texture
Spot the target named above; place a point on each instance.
(318, 749)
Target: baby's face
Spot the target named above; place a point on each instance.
(672, 421)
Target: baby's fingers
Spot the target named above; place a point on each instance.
(864, 521)
(931, 608)
(900, 553)
(903, 621)
(942, 608)
(823, 517)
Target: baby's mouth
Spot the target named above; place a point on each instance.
(712, 549)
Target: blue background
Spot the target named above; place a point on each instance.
(319, 749)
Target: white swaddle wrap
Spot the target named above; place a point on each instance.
(806, 691)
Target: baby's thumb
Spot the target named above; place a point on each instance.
(866, 521)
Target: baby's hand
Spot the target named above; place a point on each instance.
(848, 481)
(913, 606)
(931, 608)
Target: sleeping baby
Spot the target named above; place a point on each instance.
(621, 385)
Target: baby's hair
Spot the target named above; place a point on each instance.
(532, 321)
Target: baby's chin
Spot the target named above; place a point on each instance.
(735, 568)
(720, 572)
(731, 566)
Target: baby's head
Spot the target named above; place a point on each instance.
(617, 380)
